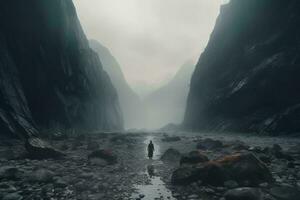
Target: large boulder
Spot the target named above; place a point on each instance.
(244, 168)
(208, 172)
(171, 155)
(104, 154)
(39, 149)
(194, 157)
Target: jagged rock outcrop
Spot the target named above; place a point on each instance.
(49, 75)
(248, 76)
(131, 104)
(167, 104)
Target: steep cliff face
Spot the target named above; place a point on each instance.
(131, 105)
(15, 116)
(49, 75)
(248, 77)
(167, 104)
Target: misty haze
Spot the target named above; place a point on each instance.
(150, 43)
(149, 100)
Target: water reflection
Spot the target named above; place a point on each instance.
(151, 171)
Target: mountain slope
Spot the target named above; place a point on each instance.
(49, 75)
(167, 104)
(130, 102)
(248, 77)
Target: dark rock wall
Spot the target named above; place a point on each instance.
(247, 79)
(15, 116)
(49, 75)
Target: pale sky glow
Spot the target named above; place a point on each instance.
(151, 39)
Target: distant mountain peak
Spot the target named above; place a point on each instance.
(167, 104)
(131, 104)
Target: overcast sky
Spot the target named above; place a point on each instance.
(151, 39)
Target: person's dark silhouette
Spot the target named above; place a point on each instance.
(150, 149)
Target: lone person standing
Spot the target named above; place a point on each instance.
(150, 149)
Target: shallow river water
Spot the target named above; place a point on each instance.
(156, 189)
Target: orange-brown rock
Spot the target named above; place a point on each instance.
(244, 168)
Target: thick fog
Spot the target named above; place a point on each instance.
(150, 38)
(149, 41)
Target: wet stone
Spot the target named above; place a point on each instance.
(171, 155)
(244, 194)
(12, 196)
(285, 192)
(193, 196)
(41, 175)
(7, 188)
(60, 183)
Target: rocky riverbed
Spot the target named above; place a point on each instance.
(115, 166)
